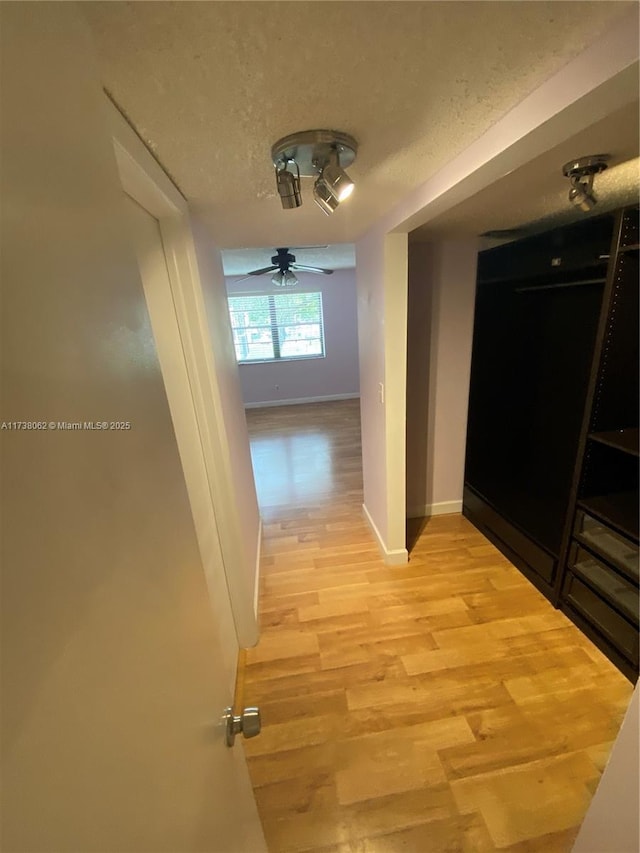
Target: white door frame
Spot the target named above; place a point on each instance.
(146, 183)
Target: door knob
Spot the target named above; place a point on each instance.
(248, 723)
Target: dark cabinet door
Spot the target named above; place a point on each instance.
(532, 353)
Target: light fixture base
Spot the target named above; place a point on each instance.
(311, 150)
(582, 167)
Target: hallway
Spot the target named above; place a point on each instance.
(443, 705)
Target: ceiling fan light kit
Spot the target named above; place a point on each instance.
(581, 172)
(284, 279)
(282, 265)
(320, 154)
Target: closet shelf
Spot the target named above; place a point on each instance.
(622, 439)
(619, 510)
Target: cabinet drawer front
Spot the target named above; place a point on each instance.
(607, 543)
(603, 617)
(622, 594)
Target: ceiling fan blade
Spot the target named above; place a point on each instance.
(305, 268)
(305, 248)
(263, 270)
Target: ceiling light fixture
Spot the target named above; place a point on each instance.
(284, 278)
(581, 173)
(320, 154)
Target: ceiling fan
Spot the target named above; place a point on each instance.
(282, 265)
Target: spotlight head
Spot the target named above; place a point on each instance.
(336, 179)
(582, 197)
(581, 173)
(323, 197)
(288, 186)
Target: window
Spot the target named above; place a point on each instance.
(276, 326)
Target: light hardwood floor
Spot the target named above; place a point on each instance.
(439, 706)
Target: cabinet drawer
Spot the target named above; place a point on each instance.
(622, 594)
(603, 617)
(607, 543)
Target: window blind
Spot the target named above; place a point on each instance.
(268, 327)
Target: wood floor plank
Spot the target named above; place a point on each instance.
(436, 707)
(517, 802)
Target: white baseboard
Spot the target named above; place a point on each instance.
(256, 588)
(395, 557)
(295, 401)
(442, 508)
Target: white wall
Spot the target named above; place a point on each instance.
(198, 298)
(333, 377)
(381, 269)
(612, 823)
(109, 647)
(442, 278)
(241, 513)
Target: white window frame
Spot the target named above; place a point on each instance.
(274, 327)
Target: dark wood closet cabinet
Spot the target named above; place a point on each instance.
(551, 473)
(598, 588)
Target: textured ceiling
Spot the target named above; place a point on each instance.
(210, 86)
(536, 195)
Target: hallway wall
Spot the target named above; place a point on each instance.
(381, 265)
(242, 515)
(109, 735)
(442, 281)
